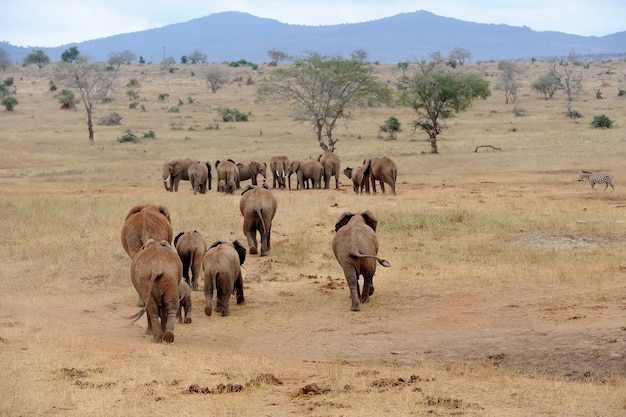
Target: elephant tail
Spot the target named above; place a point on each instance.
(136, 316)
(259, 213)
(381, 261)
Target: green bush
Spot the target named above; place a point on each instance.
(601, 121)
(128, 136)
(621, 92)
(9, 103)
(163, 96)
(232, 115)
(66, 98)
(149, 134)
(391, 127)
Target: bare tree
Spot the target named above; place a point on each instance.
(276, 56)
(570, 75)
(547, 84)
(92, 81)
(509, 80)
(215, 78)
(197, 57)
(359, 55)
(5, 60)
(459, 55)
(119, 58)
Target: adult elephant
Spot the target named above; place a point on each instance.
(222, 272)
(191, 247)
(175, 170)
(355, 246)
(156, 272)
(305, 170)
(250, 171)
(279, 164)
(382, 169)
(330, 162)
(360, 179)
(258, 207)
(199, 175)
(228, 172)
(143, 222)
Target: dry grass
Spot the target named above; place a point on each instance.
(498, 302)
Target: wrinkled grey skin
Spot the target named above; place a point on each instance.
(258, 207)
(305, 170)
(229, 173)
(175, 170)
(200, 177)
(355, 246)
(191, 247)
(360, 179)
(143, 222)
(382, 169)
(156, 272)
(222, 273)
(184, 292)
(250, 171)
(279, 165)
(331, 164)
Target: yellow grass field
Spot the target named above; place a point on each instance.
(506, 294)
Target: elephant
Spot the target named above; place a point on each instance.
(184, 296)
(200, 177)
(258, 207)
(330, 162)
(279, 164)
(222, 272)
(156, 272)
(175, 170)
(360, 179)
(221, 186)
(382, 169)
(191, 247)
(305, 170)
(251, 170)
(228, 171)
(355, 246)
(144, 222)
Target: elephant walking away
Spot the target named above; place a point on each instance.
(360, 179)
(330, 162)
(222, 273)
(143, 222)
(227, 172)
(258, 207)
(175, 170)
(384, 170)
(250, 171)
(305, 170)
(156, 272)
(200, 177)
(184, 294)
(355, 246)
(191, 247)
(279, 165)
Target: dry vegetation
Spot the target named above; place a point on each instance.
(506, 294)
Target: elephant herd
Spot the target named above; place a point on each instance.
(309, 173)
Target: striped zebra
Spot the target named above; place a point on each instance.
(594, 179)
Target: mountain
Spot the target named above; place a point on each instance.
(231, 36)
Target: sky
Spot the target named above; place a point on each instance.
(49, 23)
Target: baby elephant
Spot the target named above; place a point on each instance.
(222, 272)
(184, 292)
(191, 247)
(156, 272)
(355, 246)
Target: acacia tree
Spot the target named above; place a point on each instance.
(570, 79)
(434, 93)
(323, 89)
(37, 57)
(508, 81)
(119, 58)
(92, 81)
(547, 84)
(215, 78)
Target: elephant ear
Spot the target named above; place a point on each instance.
(148, 243)
(267, 187)
(241, 251)
(217, 163)
(367, 167)
(164, 211)
(208, 165)
(216, 243)
(178, 237)
(248, 188)
(348, 172)
(343, 220)
(134, 210)
(370, 219)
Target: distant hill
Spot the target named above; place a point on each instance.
(231, 36)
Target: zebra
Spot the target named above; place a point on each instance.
(594, 179)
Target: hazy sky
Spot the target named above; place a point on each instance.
(60, 22)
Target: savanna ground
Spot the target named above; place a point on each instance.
(506, 294)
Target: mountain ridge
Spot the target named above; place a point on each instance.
(230, 36)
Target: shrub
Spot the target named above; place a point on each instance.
(132, 94)
(133, 105)
(67, 99)
(9, 103)
(621, 92)
(163, 96)
(111, 119)
(128, 136)
(133, 83)
(149, 134)
(391, 126)
(519, 111)
(108, 100)
(601, 121)
(232, 115)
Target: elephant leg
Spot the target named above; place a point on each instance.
(223, 298)
(368, 288)
(382, 186)
(195, 275)
(264, 243)
(239, 289)
(208, 294)
(153, 322)
(186, 264)
(188, 311)
(168, 317)
(353, 283)
(251, 237)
